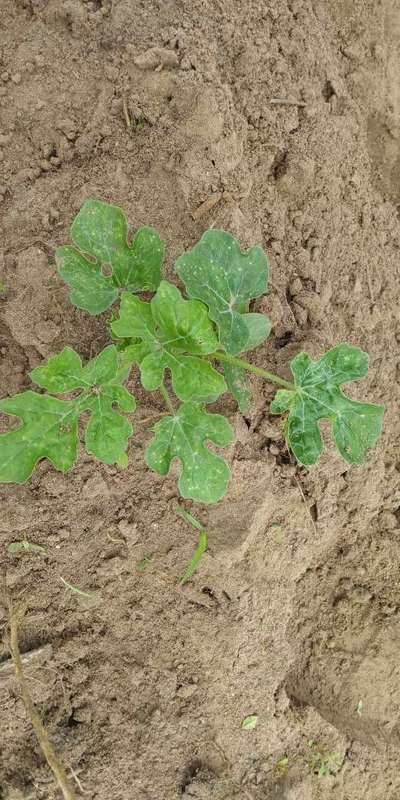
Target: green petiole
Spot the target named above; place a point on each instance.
(167, 399)
(186, 515)
(263, 373)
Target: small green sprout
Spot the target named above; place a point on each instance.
(360, 708)
(250, 722)
(186, 339)
(3, 288)
(282, 766)
(323, 762)
(278, 532)
(144, 563)
(201, 547)
(76, 590)
(24, 545)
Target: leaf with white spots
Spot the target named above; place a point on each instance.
(225, 279)
(204, 475)
(100, 235)
(317, 395)
(48, 430)
(49, 426)
(173, 333)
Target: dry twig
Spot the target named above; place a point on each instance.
(298, 484)
(126, 112)
(37, 724)
(283, 101)
(208, 204)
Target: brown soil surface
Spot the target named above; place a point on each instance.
(294, 612)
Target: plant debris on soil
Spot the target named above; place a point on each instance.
(279, 122)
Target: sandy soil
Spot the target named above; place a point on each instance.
(294, 613)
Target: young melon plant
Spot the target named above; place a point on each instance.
(178, 338)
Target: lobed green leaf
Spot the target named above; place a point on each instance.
(62, 373)
(317, 395)
(173, 332)
(107, 433)
(225, 279)
(100, 232)
(50, 426)
(49, 430)
(204, 475)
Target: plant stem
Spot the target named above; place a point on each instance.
(168, 403)
(238, 362)
(41, 733)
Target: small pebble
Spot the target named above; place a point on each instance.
(361, 595)
(389, 609)
(156, 56)
(310, 111)
(111, 72)
(353, 52)
(388, 520)
(47, 149)
(46, 331)
(379, 51)
(45, 220)
(186, 691)
(315, 253)
(54, 214)
(5, 76)
(312, 242)
(23, 175)
(116, 106)
(17, 78)
(296, 287)
(45, 165)
(39, 59)
(68, 128)
(290, 471)
(298, 220)
(300, 313)
(129, 531)
(326, 293)
(83, 715)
